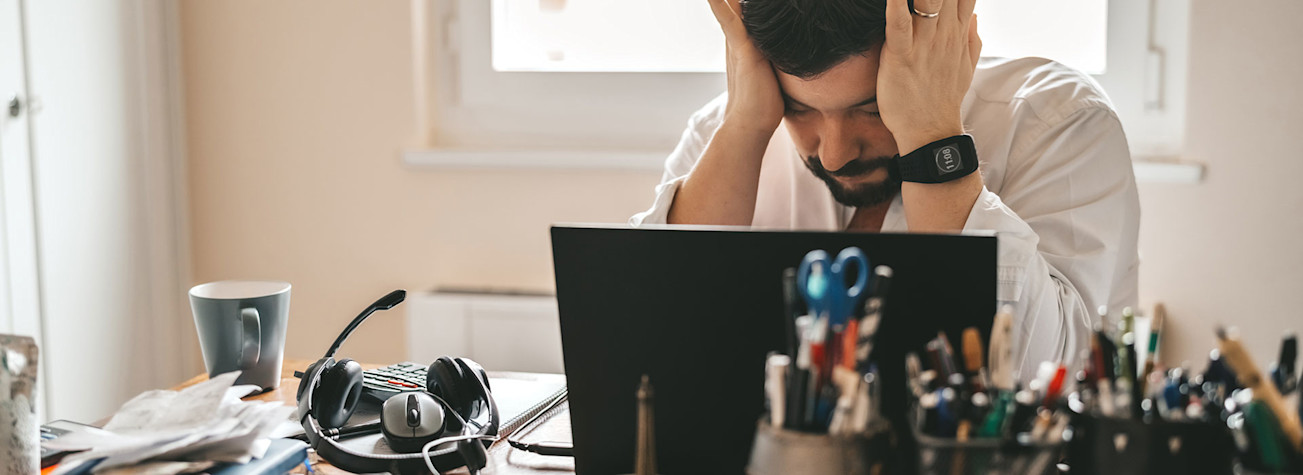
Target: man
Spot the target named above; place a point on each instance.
(876, 98)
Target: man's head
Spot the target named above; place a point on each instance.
(826, 54)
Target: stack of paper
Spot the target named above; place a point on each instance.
(203, 424)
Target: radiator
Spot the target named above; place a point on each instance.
(501, 331)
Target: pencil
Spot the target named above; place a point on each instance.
(1235, 356)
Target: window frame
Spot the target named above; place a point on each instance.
(472, 108)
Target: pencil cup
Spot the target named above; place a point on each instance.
(980, 455)
(1109, 445)
(780, 451)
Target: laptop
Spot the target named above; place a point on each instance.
(699, 308)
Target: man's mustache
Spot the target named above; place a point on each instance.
(857, 167)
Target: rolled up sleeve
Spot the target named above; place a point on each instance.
(701, 127)
(1077, 224)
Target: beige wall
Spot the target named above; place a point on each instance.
(297, 112)
(1230, 250)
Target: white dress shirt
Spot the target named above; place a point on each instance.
(1059, 192)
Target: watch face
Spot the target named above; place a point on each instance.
(947, 158)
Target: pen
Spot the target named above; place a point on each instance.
(1055, 387)
(791, 304)
(1109, 353)
(946, 354)
(1248, 374)
(800, 377)
(1283, 370)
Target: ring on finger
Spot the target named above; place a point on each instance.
(915, 11)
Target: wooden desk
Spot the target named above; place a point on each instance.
(503, 459)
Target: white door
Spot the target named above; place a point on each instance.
(19, 294)
(20, 308)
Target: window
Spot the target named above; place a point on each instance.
(625, 75)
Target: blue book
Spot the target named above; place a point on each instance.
(282, 456)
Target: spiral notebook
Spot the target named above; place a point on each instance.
(521, 396)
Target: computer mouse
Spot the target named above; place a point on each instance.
(410, 420)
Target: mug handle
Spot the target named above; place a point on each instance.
(252, 338)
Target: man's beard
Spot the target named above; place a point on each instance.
(860, 195)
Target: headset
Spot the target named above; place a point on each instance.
(329, 391)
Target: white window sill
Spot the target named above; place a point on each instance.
(1147, 170)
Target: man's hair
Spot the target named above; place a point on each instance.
(804, 38)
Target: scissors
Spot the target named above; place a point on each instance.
(822, 283)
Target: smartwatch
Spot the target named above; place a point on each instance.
(947, 159)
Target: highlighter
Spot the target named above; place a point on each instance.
(1265, 431)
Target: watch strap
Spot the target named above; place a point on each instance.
(941, 161)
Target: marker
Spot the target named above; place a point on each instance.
(864, 410)
(868, 326)
(1155, 330)
(1264, 426)
(1283, 370)
(1000, 359)
(847, 382)
(1248, 374)
(776, 367)
(913, 373)
(1129, 374)
(1024, 410)
(973, 361)
(947, 419)
(1000, 367)
(928, 403)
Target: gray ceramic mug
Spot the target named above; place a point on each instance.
(242, 326)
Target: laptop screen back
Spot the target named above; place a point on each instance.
(697, 309)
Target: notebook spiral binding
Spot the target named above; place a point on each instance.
(538, 411)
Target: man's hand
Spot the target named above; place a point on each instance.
(925, 69)
(754, 103)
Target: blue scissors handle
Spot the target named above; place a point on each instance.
(812, 280)
(821, 281)
(848, 299)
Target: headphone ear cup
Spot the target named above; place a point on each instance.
(307, 373)
(336, 396)
(476, 370)
(444, 379)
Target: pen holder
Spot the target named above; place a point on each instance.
(781, 451)
(1107, 445)
(986, 455)
(982, 455)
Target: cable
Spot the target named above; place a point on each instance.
(542, 448)
(425, 451)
